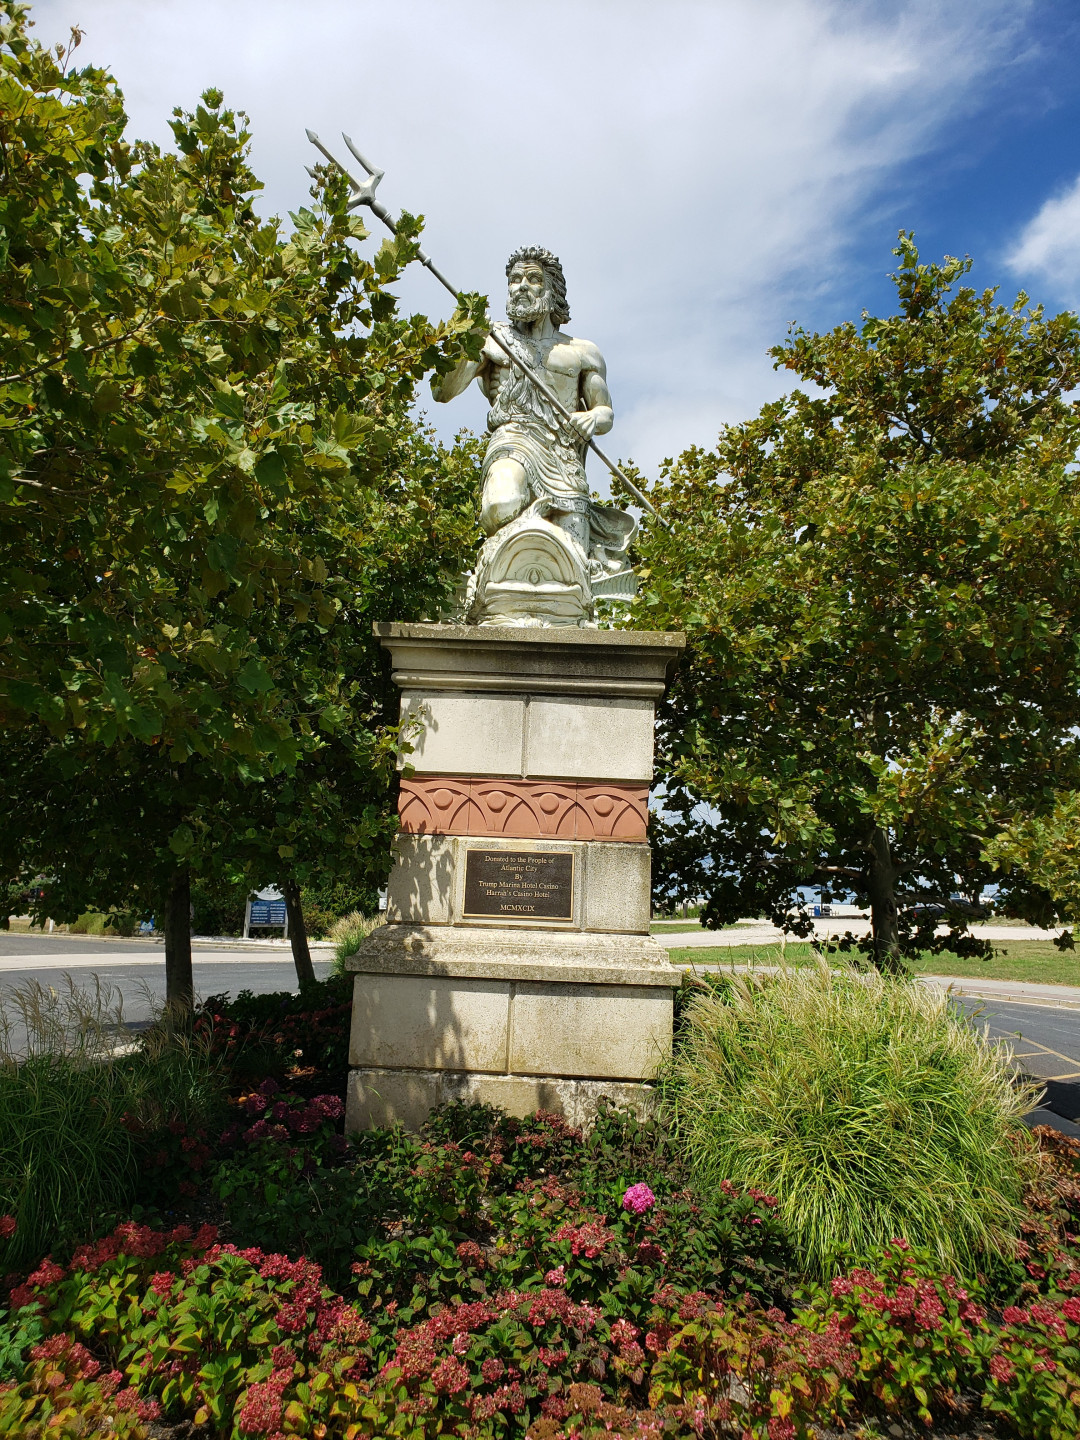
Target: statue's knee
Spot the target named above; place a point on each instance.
(506, 493)
(496, 513)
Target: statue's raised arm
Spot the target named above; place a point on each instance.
(569, 551)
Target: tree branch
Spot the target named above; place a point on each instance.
(839, 870)
(85, 350)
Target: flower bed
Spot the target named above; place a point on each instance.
(496, 1278)
(501, 1278)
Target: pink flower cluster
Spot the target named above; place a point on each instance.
(279, 1118)
(69, 1361)
(915, 1303)
(261, 1413)
(139, 1242)
(417, 1354)
(638, 1199)
(588, 1239)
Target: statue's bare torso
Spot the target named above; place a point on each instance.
(564, 362)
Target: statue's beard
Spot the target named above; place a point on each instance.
(528, 307)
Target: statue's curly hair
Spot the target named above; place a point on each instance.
(560, 311)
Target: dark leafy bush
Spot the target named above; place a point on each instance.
(279, 1033)
(217, 906)
(324, 904)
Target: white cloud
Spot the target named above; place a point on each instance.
(1049, 245)
(699, 165)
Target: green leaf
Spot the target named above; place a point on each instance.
(254, 678)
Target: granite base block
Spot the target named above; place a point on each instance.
(499, 1025)
(378, 1098)
(522, 1019)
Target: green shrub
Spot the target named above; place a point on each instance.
(403, 1205)
(97, 922)
(325, 904)
(347, 933)
(78, 1108)
(90, 922)
(218, 906)
(870, 1107)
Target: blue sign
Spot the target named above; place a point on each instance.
(267, 912)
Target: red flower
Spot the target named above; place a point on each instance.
(261, 1414)
(469, 1253)
(162, 1283)
(47, 1273)
(8, 1226)
(449, 1376)
(588, 1239)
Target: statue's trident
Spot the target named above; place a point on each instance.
(364, 194)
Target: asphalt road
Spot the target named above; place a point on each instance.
(1046, 1045)
(134, 970)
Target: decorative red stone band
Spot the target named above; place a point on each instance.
(562, 809)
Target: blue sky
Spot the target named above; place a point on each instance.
(992, 170)
(709, 170)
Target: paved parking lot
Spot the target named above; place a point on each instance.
(1046, 1044)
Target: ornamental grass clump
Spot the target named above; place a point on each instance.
(81, 1100)
(869, 1106)
(347, 935)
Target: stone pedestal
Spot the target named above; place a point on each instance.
(516, 965)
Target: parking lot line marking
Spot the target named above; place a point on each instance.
(1042, 1050)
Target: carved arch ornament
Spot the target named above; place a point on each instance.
(524, 809)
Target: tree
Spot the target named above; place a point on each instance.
(1038, 856)
(210, 483)
(881, 586)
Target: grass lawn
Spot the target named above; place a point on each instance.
(1035, 961)
(674, 927)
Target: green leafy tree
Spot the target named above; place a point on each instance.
(210, 485)
(881, 584)
(1038, 855)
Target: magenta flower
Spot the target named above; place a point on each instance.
(638, 1199)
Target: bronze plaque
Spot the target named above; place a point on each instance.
(520, 884)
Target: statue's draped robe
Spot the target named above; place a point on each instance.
(525, 427)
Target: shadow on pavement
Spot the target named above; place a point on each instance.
(1063, 1097)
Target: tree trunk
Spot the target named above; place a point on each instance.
(305, 971)
(881, 874)
(179, 983)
